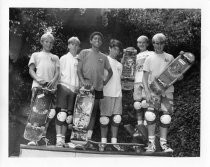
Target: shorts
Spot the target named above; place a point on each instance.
(99, 94)
(111, 106)
(166, 104)
(65, 98)
(138, 93)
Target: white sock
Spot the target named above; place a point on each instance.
(58, 137)
(89, 134)
(152, 139)
(103, 140)
(139, 122)
(114, 140)
(63, 138)
(145, 122)
(163, 141)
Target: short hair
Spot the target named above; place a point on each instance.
(143, 37)
(159, 36)
(116, 43)
(74, 40)
(96, 33)
(47, 35)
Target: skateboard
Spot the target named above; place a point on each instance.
(172, 72)
(123, 147)
(128, 72)
(138, 134)
(38, 117)
(82, 113)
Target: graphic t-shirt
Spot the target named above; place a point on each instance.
(155, 64)
(93, 65)
(140, 59)
(46, 64)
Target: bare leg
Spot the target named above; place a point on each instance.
(163, 132)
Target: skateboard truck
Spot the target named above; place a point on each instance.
(46, 140)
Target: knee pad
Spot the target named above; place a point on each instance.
(51, 113)
(104, 121)
(61, 117)
(137, 105)
(165, 120)
(116, 119)
(144, 104)
(150, 116)
(69, 119)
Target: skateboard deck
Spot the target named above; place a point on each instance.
(172, 72)
(125, 147)
(128, 71)
(139, 135)
(35, 126)
(82, 113)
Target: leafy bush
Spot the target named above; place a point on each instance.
(181, 26)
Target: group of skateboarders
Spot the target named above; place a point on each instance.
(92, 68)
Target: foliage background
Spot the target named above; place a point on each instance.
(181, 26)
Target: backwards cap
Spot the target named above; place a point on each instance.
(96, 33)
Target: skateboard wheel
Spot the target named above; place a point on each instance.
(138, 150)
(28, 125)
(101, 148)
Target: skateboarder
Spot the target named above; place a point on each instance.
(153, 66)
(44, 68)
(68, 85)
(91, 67)
(138, 94)
(111, 104)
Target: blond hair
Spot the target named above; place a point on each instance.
(46, 36)
(74, 40)
(143, 37)
(159, 36)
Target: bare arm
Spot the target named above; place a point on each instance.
(55, 78)
(80, 75)
(34, 76)
(110, 73)
(146, 85)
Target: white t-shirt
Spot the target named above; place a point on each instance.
(113, 87)
(155, 64)
(140, 59)
(46, 64)
(68, 72)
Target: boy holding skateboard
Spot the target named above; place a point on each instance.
(154, 65)
(138, 94)
(91, 67)
(67, 87)
(111, 104)
(44, 69)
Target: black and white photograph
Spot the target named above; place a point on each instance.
(105, 82)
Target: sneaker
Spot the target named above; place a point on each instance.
(165, 147)
(136, 134)
(60, 144)
(116, 147)
(32, 143)
(151, 147)
(90, 146)
(101, 147)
